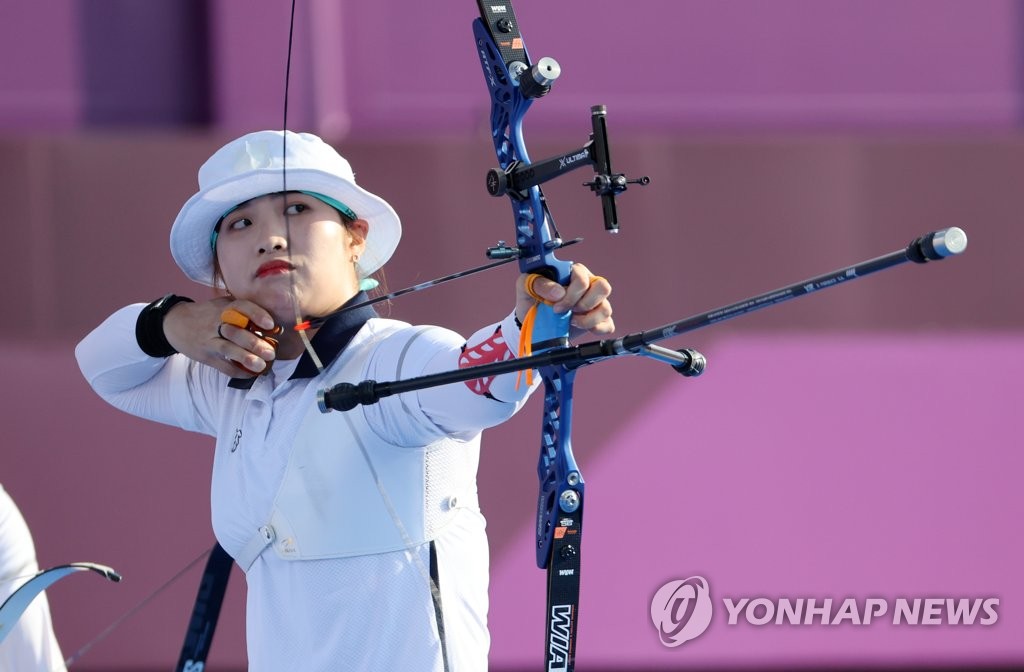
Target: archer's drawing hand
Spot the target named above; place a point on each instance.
(199, 331)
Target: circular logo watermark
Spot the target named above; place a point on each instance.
(681, 610)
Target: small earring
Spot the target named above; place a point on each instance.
(355, 258)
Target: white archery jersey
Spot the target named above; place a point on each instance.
(344, 584)
(30, 646)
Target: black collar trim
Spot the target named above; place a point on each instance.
(329, 341)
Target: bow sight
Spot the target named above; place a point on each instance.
(514, 83)
(517, 178)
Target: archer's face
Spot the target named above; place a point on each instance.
(263, 262)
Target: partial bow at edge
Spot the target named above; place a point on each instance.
(15, 605)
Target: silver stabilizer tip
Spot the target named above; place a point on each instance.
(949, 242)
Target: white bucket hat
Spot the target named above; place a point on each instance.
(253, 166)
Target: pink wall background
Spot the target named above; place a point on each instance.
(659, 65)
(860, 442)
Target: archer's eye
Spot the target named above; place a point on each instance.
(296, 208)
(239, 224)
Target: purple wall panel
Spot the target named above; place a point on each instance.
(798, 466)
(657, 64)
(40, 80)
(673, 64)
(144, 64)
(249, 49)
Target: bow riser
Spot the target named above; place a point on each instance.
(560, 502)
(537, 246)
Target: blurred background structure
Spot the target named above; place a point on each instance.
(858, 443)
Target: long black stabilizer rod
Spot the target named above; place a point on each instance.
(930, 247)
(933, 246)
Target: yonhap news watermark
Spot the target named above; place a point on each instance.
(909, 611)
(682, 610)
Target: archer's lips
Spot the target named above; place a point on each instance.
(273, 268)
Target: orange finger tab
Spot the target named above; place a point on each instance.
(238, 319)
(234, 318)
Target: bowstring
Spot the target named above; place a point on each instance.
(306, 343)
(74, 657)
(11, 579)
(410, 545)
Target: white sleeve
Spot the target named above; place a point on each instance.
(460, 410)
(173, 390)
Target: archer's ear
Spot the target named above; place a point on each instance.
(359, 229)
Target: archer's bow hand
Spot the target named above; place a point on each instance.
(586, 297)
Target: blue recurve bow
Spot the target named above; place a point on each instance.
(514, 82)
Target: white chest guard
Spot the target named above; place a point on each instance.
(348, 492)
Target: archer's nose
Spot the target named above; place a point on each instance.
(273, 244)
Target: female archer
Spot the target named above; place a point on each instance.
(360, 533)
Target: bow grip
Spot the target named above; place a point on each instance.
(550, 329)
